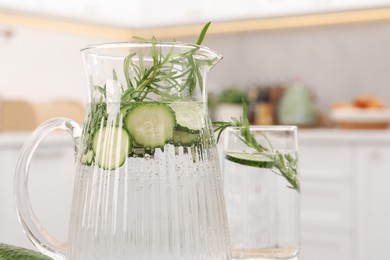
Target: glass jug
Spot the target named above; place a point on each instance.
(148, 183)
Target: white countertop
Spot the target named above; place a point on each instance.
(343, 135)
(17, 139)
(305, 135)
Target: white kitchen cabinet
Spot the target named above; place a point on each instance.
(373, 201)
(345, 194)
(128, 14)
(50, 186)
(325, 246)
(326, 201)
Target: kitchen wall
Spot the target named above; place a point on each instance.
(43, 65)
(337, 62)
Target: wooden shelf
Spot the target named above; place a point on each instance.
(48, 23)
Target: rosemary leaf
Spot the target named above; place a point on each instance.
(126, 70)
(203, 33)
(114, 75)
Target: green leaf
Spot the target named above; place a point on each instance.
(245, 119)
(137, 38)
(114, 75)
(126, 70)
(203, 33)
(102, 90)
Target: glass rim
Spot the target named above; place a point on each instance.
(104, 48)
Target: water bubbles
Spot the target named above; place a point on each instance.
(163, 189)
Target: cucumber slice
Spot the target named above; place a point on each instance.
(183, 138)
(87, 158)
(11, 252)
(250, 159)
(110, 146)
(150, 124)
(190, 116)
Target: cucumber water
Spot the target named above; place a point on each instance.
(152, 179)
(138, 128)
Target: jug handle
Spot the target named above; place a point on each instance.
(37, 234)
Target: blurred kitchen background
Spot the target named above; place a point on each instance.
(321, 65)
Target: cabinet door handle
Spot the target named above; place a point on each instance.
(375, 155)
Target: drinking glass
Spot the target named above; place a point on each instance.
(262, 191)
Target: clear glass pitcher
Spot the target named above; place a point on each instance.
(148, 183)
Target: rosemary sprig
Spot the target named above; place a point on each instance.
(163, 75)
(166, 71)
(284, 164)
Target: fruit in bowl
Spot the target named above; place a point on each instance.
(368, 102)
(362, 113)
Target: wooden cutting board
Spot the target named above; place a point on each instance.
(21, 115)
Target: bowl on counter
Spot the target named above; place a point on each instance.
(360, 118)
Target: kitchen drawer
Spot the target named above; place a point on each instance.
(319, 246)
(326, 208)
(325, 163)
